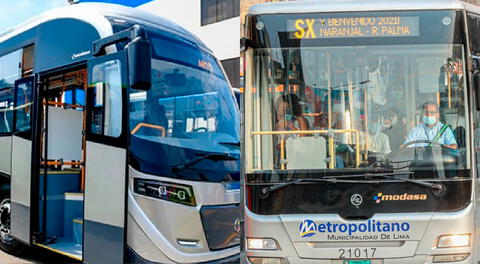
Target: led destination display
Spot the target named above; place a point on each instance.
(353, 27)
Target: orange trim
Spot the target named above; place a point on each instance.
(63, 104)
(59, 163)
(312, 114)
(140, 125)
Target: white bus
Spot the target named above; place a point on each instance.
(119, 140)
(360, 132)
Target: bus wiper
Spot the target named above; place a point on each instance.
(266, 190)
(236, 144)
(211, 156)
(437, 188)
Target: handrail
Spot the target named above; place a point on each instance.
(63, 104)
(16, 108)
(140, 125)
(313, 114)
(331, 150)
(61, 163)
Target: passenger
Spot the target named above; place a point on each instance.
(289, 114)
(313, 106)
(378, 142)
(431, 130)
(393, 129)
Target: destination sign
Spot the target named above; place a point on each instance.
(353, 27)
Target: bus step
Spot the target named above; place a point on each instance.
(73, 210)
(66, 247)
(78, 231)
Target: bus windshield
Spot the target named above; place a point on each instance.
(361, 106)
(186, 125)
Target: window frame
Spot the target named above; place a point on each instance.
(121, 140)
(221, 14)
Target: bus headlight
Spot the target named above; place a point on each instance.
(255, 260)
(447, 241)
(261, 243)
(450, 258)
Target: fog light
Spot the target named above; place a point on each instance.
(450, 258)
(261, 243)
(447, 241)
(255, 260)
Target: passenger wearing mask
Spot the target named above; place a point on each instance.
(378, 141)
(431, 130)
(393, 129)
(289, 114)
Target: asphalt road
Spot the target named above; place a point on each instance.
(35, 255)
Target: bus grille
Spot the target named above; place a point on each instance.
(218, 224)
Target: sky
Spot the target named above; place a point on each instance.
(14, 12)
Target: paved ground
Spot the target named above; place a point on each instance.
(35, 255)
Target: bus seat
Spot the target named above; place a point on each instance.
(306, 153)
(459, 133)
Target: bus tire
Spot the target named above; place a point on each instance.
(7, 242)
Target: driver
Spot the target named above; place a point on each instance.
(431, 130)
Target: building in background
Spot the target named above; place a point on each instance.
(215, 22)
(474, 2)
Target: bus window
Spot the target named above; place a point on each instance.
(23, 106)
(27, 61)
(6, 107)
(107, 116)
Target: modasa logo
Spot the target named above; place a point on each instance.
(399, 197)
(308, 228)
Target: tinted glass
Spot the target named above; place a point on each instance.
(107, 111)
(188, 119)
(6, 110)
(23, 106)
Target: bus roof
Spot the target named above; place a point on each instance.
(319, 6)
(96, 14)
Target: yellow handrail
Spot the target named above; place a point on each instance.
(331, 149)
(140, 125)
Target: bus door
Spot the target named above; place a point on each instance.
(21, 160)
(106, 168)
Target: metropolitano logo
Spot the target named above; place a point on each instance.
(308, 228)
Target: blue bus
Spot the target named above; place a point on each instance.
(119, 140)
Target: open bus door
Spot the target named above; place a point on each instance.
(21, 177)
(106, 157)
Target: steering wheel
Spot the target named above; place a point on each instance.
(198, 129)
(424, 141)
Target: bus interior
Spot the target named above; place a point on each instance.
(345, 102)
(62, 170)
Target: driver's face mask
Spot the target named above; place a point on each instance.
(429, 120)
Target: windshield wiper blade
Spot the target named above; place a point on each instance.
(266, 190)
(437, 188)
(211, 156)
(236, 144)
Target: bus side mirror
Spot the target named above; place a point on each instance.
(140, 63)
